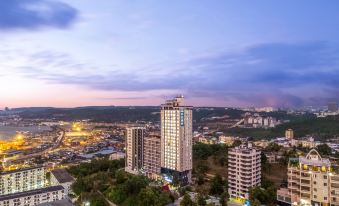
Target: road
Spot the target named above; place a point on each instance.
(50, 149)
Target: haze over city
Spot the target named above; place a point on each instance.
(224, 53)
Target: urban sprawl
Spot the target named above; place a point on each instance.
(173, 155)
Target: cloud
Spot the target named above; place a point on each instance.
(274, 74)
(35, 14)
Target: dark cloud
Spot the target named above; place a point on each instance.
(264, 74)
(34, 14)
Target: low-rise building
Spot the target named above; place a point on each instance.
(117, 156)
(63, 178)
(271, 158)
(261, 143)
(228, 140)
(207, 140)
(308, 143)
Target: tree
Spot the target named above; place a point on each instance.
(223, 199)
(117, 195)
(217, 187)
(324, 149)
(236, 143)
(265, 196)
(81, 185)
(200, 179)
(120, 176)
(147, 197)
(151, 197)
(98, 201)
(263, 159)
(186, 201)
(256, 202)
(202, 168)
(201, 200)
(273, 147)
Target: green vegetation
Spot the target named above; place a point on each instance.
(324, 149)
(266, 194)
(217, 185)
(104, 179)
(203, 151)
(93, 179)
(134, 190)
(200, 113)
(322, 128)
(186, 201)
(118, 114)
(210, 168)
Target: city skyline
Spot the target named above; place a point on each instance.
(76, 53)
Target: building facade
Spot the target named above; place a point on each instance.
(22, 180)
(63, 178)
(311, 181)
(289, 134)
(134, 149)
(308, 142)
(244, 170)
(152, 155)
(33, 197)
(176, 141)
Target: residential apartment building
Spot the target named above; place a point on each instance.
(152, 155)
(244, 170)
(176, 141)
(308, 142)
(63, 178)
(311, 181)
(33, 197)
(134, 149)
(22, 180)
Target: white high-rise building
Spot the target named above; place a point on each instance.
(244, 170)
(176, 141)
(134, 149)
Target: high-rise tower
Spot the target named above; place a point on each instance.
(134, 149)
(176, 141)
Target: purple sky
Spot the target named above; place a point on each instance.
(216, 53)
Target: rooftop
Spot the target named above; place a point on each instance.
(314, 158)
(64, 202)
(31, 192)
(62, 176)
(20, 170)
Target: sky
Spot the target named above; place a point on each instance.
(60, 53)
